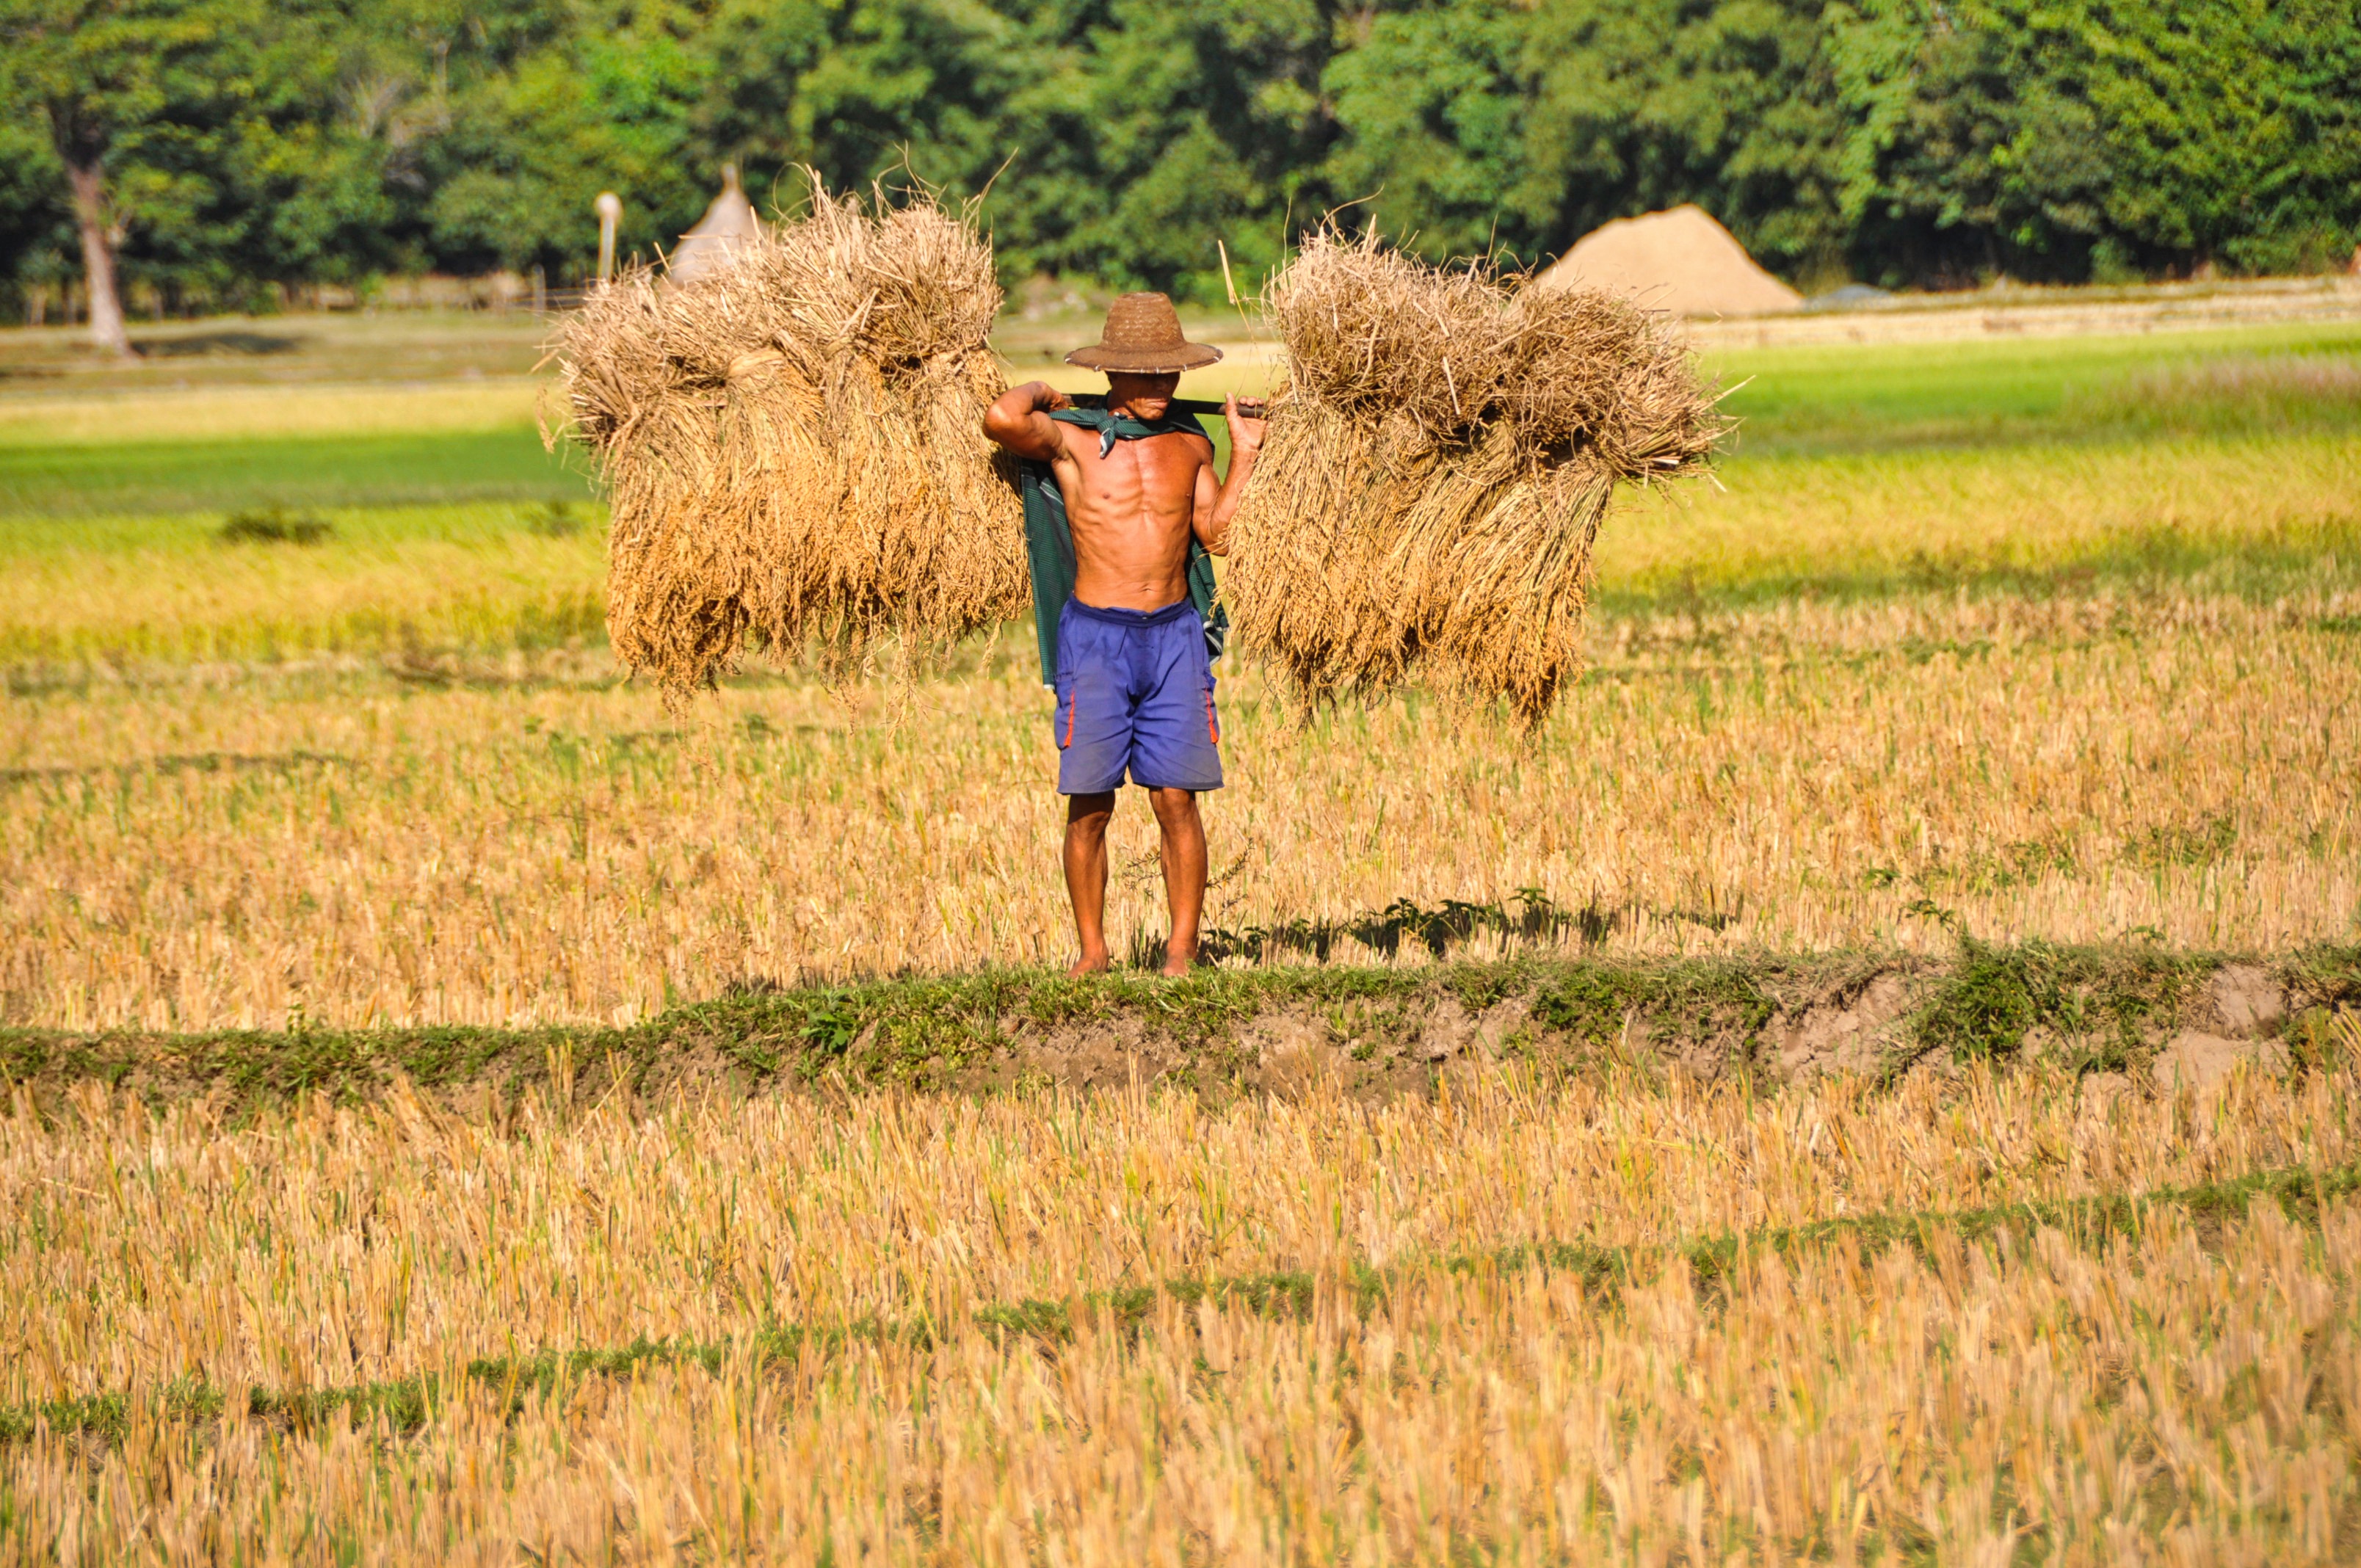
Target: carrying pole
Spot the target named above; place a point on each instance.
(1197, 406)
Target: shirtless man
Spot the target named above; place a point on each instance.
(1134, 684)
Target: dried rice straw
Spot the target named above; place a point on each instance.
(792, 444)
(1436, 470)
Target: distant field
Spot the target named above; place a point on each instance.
(1860, 471)
(395, 346)
(268, 412)
(180, 477)
(304, 411)
(1811, 401)
(2023, 518)
(2256, 516)
(480, 576)
(151, 446)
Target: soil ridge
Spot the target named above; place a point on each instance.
(2119, 1013)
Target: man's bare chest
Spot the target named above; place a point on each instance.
(1154, 473)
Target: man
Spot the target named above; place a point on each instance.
(1134, 682)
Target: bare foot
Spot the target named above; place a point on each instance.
(1090, 964)
(1178, 964)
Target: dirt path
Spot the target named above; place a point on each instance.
(2059, 313)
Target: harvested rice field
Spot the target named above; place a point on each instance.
(1605, 1319)
(510, 846)
(1871, 1079)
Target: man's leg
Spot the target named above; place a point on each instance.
(1086, 873)
(1182, 833)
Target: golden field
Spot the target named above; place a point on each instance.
(2184, 1386)
(1983, 660)
(134, 591)
(126, 593)
(233, 414)
(2084, 692)
(221, 851)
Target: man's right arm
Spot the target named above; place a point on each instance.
(1019, 420)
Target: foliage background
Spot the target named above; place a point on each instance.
(1928, 142)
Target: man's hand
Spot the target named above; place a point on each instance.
(1215, 508)
(1247, 423)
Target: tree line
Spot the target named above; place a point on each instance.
(209, 149)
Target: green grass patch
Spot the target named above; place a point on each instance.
(1883, 397)
(2104, 1006)
(308, 472)
(1662, 1006)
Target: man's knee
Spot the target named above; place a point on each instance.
(1089, 812)
(1173, 807)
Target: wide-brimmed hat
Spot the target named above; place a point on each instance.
(1142, 336)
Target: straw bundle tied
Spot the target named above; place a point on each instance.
(1436, 469)
(792, 444)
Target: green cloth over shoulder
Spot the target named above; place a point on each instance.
(1050, 540)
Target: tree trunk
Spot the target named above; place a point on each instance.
(97, 257)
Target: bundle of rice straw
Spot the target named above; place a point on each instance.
(1437, 469)
(792, 444)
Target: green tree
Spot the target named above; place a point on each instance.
(1206, 122)
(2069, 138)
(602, 105)
(1431, 104)
(106, 77)
(1119, 140)
(206, 148)
(853, 87)
(2233, 127)
(946, 94)
(1474, 123)
(1975, 149)
(1642, 104)
(36, 233)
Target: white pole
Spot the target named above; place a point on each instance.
(610, 208)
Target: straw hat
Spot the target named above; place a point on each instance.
(1142, 336)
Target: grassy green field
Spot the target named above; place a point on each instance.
(302, 411)
(168, 478)
(163, 446)
(1994, 466)
(1808, 400)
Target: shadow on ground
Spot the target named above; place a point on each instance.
(230, 341)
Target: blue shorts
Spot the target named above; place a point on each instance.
(1134, 691)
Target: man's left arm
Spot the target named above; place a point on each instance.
(1215, 508)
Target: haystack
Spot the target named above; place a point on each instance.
(792, 442)
(1436, 470)
(728, 224)
(1681, 261)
